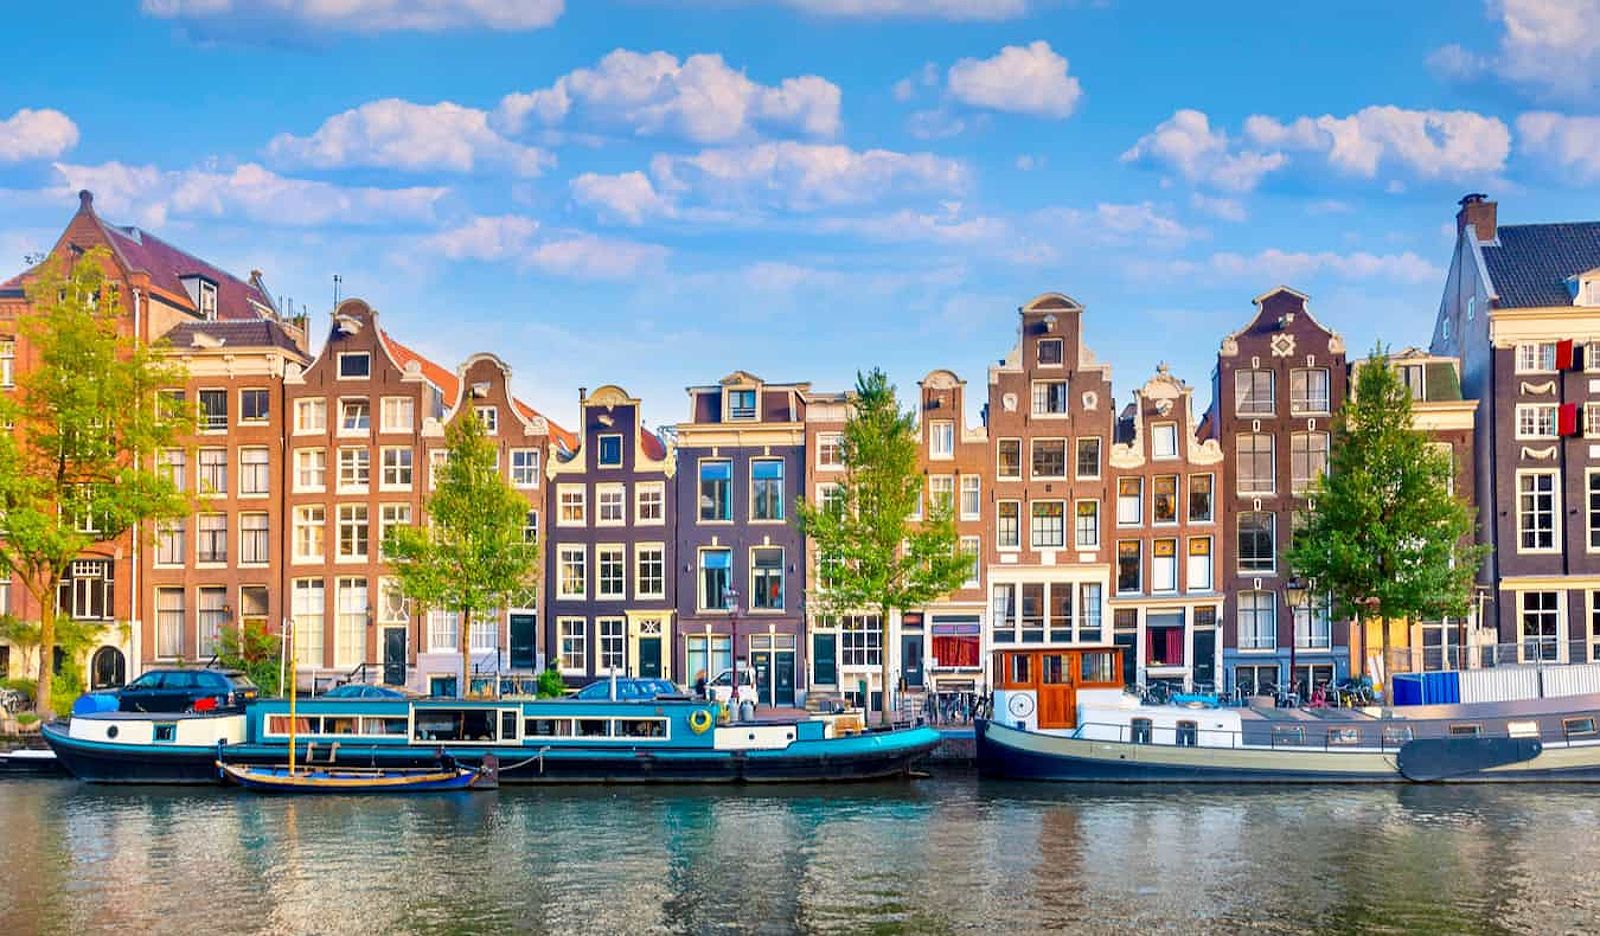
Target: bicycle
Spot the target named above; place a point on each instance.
(12, 701)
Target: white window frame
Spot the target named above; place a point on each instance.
(616, 555)
(1301, 401)
(1164, 441)
(1201, 567)
(657, 496)
(352, 402)
(526, 474)
(1538, 420)
(265, 472)
(656, 554)
(311, 416)
(385, 470)
(356, 461)
(489, 418)
(612, 494)
(357, 519)
(572, 505)
(941, 439)
(1039, 399)
(338, 370)
(309, 521)
(1015, 544)
(397, 414)
(830, 451)
(971, 486)
(1536, 357)
(575, 557)
(572, 635)
(1553, 510)
(1092, 528)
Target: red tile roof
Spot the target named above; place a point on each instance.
(436, 375)
(653, 446)
(565, 438)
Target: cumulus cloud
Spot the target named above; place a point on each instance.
(36, 134)
(249, 192)
(629, 197)
(959, 10)
(1227, 209)
(487, 238)
(1186, 144)
(700, 99)
(1287, 266)
(397, 134)
(1430, 143)
(803, 177)
(1545, 46)
(585, 256)
(238, 17)
(1029, 79)
(1571, 143)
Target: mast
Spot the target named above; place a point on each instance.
(288, 652)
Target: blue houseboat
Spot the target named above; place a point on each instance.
(534, 741)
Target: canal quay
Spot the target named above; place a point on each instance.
(947, 854)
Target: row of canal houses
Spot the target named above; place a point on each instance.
(1151, 523)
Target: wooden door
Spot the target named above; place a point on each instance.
(1058, 706)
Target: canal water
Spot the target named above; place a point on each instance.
(946, 855)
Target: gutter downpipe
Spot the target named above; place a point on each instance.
(135, 638)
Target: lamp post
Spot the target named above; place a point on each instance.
(1295, 594)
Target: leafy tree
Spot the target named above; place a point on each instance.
(255, 651)
(89, 418)
(1384, 534)
(871, 553)
(471, 558)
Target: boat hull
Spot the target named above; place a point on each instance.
(869, 756)
(278, 779)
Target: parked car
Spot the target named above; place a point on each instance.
(187, 690)
(629, 689)
(363, 691)
(721, 687)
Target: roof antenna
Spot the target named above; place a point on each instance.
(337, 281)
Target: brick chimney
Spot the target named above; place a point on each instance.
(1478, 211)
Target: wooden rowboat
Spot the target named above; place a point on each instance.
(280, 779)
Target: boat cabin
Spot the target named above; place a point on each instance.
(1042, 689)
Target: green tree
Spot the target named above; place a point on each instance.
(255, 651)
(471, 557)
(88, 416)
(1383, 534)
(871, 552)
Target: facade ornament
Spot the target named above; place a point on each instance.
(1546, 453)
(1547, 386)
(1009, 402)
(1091, 400)
(1282, 345)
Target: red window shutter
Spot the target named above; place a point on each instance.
(1564, 355)
(1567, 420)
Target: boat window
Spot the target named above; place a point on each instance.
(166, 733)
(1021, 669)
(547, 727)
(508, 724)
(455, 725)
(279, 725)
(1465, 731)
(641, 727)
(1143, 731)
(594, 727)
(340, 724)
(1522, 729)
(1396, 734)
(1577, 727)
(1052, 669)
(383, 726)
(1188, 733)
(1288, 735)
(1098, 666)
(1344, 736)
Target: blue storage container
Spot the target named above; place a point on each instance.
(92, 702)
(1441, 688)
(1408, 689)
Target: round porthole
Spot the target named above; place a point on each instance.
(111, 732)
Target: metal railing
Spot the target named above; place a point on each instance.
(1534, 651)
(1354, 738)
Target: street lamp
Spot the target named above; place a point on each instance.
(1296, 592)
(730, 601)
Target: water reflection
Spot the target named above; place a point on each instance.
(948, 855)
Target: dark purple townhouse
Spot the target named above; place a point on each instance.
(741, 566)
(609, 553)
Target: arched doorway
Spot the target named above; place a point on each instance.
(108, 669)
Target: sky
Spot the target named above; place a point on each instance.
(654, 193)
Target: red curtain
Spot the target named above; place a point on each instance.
(955, 651)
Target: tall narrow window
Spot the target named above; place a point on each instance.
(610, 561)
(1008, 527)
(1258, 629)
(1199, 498)
(1536, 511)
(211, 538)
(254, 545)
(1164, 441)
(1128, 566)
(8, 362)
(941, 439)
(1253, 393)
(572, 572)
(1308, 391)
(1308, 459)
(1257, 541)
(971, 497)
(1049, 525)
(255, 472)
(1088, 458)
(354, 531)
(741, 404)
(169, 622)
(213, 410)
(1008, 459)
(1164, 499)
(766, 579)
(1088, 524)
(1257, 473)
(1200, 563)
(1130, 501)
(1164, 565)
(350, 627)
(716, 579)
(650, 577)
(308, 604)
(716, 490)
(212, 469)
(766, 489)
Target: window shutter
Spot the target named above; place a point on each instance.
(1564, 354)
(1567, 420)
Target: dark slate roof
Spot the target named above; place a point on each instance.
(1530, 265)
(167, 265)
(257, 333)
(1123, 433)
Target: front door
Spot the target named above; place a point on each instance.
(761, 662)
(1057, 701)
(523, 628)
(911, 660)
(825, 659)
(650, 657)
(783, 677)
(394, 656)
(1205, 659)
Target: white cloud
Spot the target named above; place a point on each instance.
(629, 197)
(1226, 209)
(490, 238)
(1029, 79)
(947, 226)
(1287, 267)
(1546, 46)
(248, 192)
(935, 124)
(929, 9)
(1186, 144)
(1430, 143)
(585, 256)
(1571, 143)
(36, 134)
(397, 134)
(700, 99)
(358, 16)
(803, 177)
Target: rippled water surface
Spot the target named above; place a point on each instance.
(951, 854)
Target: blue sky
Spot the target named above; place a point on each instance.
(656, 192)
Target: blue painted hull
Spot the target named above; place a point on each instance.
(860, 757)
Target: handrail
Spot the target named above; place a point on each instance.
(1277, 731)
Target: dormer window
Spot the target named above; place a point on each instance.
(208, 301)
(741, 404)
(1585, 288)
(355, 365)
(1050, 354)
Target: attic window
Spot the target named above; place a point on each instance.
(208, 301)
(355, 365)
(1050, 352)
(741, 404)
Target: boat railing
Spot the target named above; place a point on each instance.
(1335, 738)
